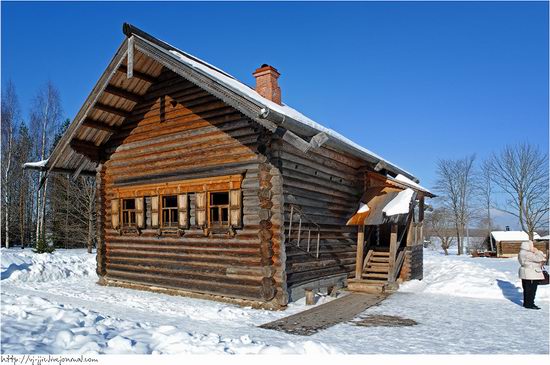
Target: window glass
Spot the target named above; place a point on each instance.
(219, 198)
(129, 212)
(219, 209)
(170, 211)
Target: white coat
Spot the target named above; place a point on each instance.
(531, 262)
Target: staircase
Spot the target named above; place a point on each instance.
(376, 269)
(374, 278)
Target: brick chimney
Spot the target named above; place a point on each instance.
(266, 83)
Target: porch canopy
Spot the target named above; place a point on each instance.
(387, 200)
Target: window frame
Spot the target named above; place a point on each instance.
(162, 208)
(227, 206)
(130, 212)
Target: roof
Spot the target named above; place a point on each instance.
(511, 236)
(115, 95)
(383, 204)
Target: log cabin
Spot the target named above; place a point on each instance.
(507, 243)
(209, 188)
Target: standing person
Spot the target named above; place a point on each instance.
(530, 272)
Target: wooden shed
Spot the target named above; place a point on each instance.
(210, 188)
(507, 243)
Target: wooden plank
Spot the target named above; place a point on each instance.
(91, 123)
(122, 93)
(130, 59)
(112, 110)
(360, 247)
(140, 75)
(326, 315)
(86, 148)
(393, 247)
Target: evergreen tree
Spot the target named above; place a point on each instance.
(42, 246)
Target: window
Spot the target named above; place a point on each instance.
(128, 212)
(219, 209)
(170, 211)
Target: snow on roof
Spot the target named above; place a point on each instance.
(247, 91)
(511, 236)
(36, 164)
(400, 204)
(406, 180)
(363, 208)
(545, 238)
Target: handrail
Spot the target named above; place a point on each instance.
(366, 244)
(316, 228)
(367, 258)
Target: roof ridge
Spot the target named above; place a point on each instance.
(129, 30)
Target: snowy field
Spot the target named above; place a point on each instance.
(51, 304)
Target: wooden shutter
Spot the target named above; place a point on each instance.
(115, 213)
(140, 212)
(235, 208)
(200, 208)
(154, 211)
(183, 221)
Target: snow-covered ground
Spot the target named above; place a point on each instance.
(51, 304)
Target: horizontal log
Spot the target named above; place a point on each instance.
(296, 279)
(199, 286)
(214, 251)
(169, 271)
(252, 261)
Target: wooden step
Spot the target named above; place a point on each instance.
(376, 269)
(376, 276)
(365, 286)
(380, 253)
(380, 259)
(373, 282)
(378, 264)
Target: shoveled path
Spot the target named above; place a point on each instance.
(326, 315)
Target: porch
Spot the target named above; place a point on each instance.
(390, 235)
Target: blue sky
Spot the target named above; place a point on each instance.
(413, 82)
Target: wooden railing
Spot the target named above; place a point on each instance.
(397, 259)
(305, 227)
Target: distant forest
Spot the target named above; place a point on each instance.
(62, 211)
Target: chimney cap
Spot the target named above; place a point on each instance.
(266, 68)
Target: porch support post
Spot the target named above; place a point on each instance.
(360, 246)
(421, 218)
(393, 251)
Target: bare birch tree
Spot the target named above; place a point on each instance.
(45, 118)
(521, 172)
(454, 183)
(9, 117)
(73, 214)
(24, 193)
(484, 190)
(440, 223)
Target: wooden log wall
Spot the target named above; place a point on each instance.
(508, 248)
(413, 263)
(180, 132)
(327, 186)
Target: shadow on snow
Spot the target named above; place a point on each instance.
(13, 268)
(510, 291)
